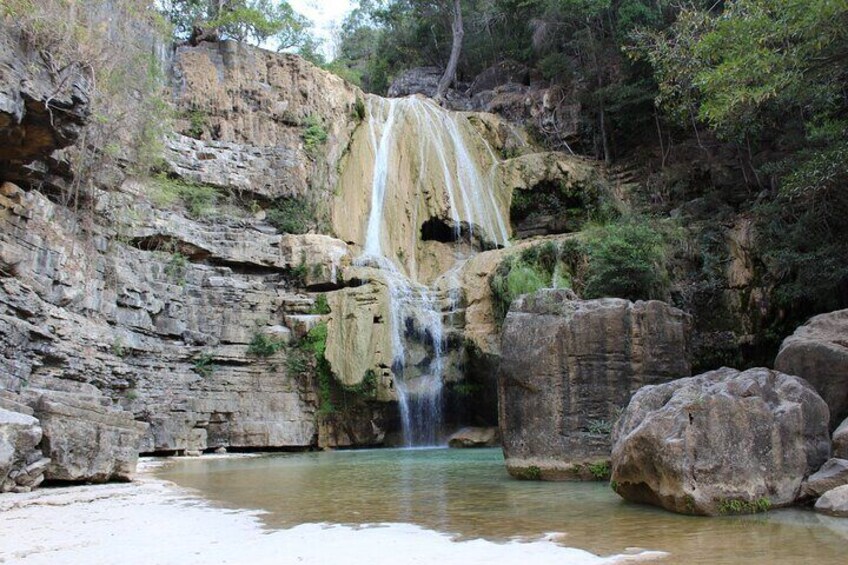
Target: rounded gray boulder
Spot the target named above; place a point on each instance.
(719, 443)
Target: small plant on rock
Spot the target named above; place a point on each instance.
(600, 471)
(314, 135)
(263, 345)
(204, 365)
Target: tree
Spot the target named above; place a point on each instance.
(242, 20)
(456, 47)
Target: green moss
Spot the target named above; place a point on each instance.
(531, 473)
(117, 347)
(738, 506)
(176, 267)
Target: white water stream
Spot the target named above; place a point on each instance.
(448, 144)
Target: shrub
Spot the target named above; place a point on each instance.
(198, 199)
(175, 268)
(291, 215)
(600, 471)
(263, 345)
(314, 135)
(537, 267)
(627, 260)
(321, 305)
(203, 365)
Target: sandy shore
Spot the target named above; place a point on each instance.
(151, 521)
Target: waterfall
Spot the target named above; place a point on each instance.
(447, 145)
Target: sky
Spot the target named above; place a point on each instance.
(323, 13)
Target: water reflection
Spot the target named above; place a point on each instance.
(467, 493)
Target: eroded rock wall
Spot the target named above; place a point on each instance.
(569, 366)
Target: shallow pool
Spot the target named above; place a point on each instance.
(468, 494)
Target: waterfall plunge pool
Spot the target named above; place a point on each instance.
(468, 494)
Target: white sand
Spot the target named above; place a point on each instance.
(155, 522)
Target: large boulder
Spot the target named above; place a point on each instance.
(840, 440)
(818, 352)
(21, 463)
(86, 440)
(721, 442)
(569, 366)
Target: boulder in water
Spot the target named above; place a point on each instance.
(834, 502)
(722, 442)
(475, 437)
(569, 366)
(818, 352)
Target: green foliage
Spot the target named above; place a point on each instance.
(198, 199)
(536, 267)
(291, 215)
(314, 135)
(204, 365)
(321, 305)
(599, 427)
(242, 20)
(600, 471)
(577, 202)
(263, 345)
(131, 394)
(737, 506)
(197, 123)
(627, 260)
(117, 347)
(367, 388)
(175, 268)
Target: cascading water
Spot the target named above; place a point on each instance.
(445, 153)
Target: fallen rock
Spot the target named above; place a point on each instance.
(834, 502)
(569, 366)
(832, 474)
(86, 441)
(475, 437)
(722, 442)
(818, 352)
(21, 464)
(840, 440)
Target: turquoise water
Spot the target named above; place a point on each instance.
(468, 494)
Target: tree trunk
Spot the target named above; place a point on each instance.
(456, 47)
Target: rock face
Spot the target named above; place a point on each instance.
(247, 110)
(40, 111)
(818, 352)
(834, 502)
(21, 463)
(85, 438)
(474, 437)
(721, 442)
(569, 366)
